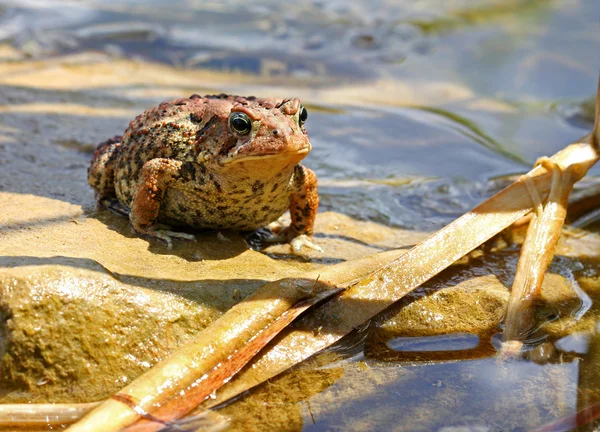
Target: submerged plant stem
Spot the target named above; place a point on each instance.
(536, 254)
(23, 415)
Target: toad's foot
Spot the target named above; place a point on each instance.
(302, 241)
(165, 235)
(114, 205)
(296, 241)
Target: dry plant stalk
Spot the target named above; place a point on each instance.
(537, 253)
(538, 248)
(214, 355)
(193, 396)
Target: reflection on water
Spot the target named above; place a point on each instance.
(448, 342)
(525, 49)
(429, 397)
(416, 107)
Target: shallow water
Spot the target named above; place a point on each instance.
(493, 85)
(414, 108)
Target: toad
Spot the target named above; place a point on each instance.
(212, 162)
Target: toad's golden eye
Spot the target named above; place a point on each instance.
(303, 115)
(240, 123)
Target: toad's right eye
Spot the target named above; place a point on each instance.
(303, 115)
(240, 123)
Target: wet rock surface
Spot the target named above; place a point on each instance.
(77, 334)
(469, 302)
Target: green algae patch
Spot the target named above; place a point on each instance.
(588, 108)
(474, 16)
(280, 403)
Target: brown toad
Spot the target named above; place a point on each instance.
(216, 162)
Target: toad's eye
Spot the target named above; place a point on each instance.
(303, 115)
(240, 123)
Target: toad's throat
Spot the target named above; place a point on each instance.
(293, 154)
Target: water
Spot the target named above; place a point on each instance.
(418, 110)
(460, 93)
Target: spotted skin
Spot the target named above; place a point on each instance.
(182, 163)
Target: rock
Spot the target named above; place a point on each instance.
(86, 306)
(76, 334)
(469, 303)
(460, 304)
(472, 306)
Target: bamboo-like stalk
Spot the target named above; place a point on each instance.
(193, 396)
(537, 253)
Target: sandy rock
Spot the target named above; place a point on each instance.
(87, 306)
(473, 305)
(77, 334)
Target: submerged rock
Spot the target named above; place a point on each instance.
(470, 301)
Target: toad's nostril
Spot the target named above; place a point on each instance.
(275, 132)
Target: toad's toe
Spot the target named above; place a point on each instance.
(297, 242)
(304, 241)
(167, 235)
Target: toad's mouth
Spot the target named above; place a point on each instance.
(289, 154)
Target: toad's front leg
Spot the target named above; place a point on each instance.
(156, 176)
(303, 211)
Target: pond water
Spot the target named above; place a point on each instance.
(417, 111)
(436, 99)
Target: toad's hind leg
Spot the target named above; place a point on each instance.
(101, 173)
(156, 176)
